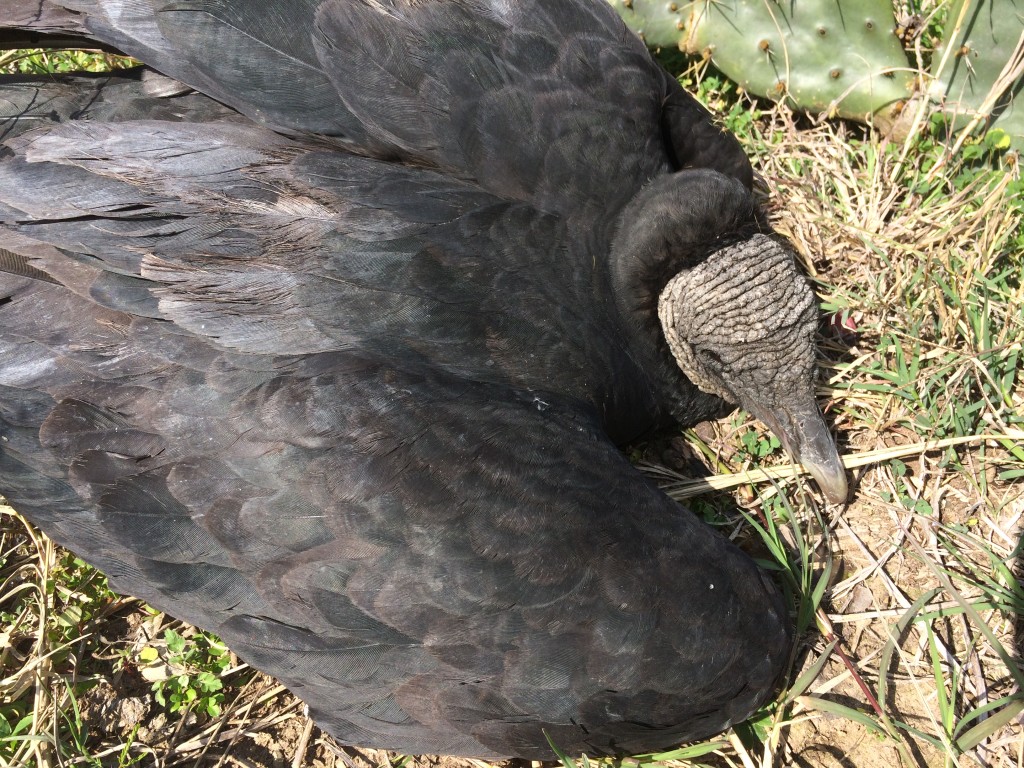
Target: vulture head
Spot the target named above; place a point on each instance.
(732, 307)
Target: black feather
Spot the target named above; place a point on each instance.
(338, 370)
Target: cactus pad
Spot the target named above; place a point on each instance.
(816, 55)
(990, 35)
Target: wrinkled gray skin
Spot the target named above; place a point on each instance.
(735, 314)
(741, 326)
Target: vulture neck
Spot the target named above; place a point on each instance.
(673, 224)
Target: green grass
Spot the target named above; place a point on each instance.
(908, 601)
(928, 258)
(43, 62)
(52, 609)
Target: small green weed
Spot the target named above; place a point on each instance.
(760, 444)
(905, 495)
(195, 667)
(727, 101)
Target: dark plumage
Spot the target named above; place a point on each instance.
(331, 357)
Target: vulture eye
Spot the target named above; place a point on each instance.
(709, 358)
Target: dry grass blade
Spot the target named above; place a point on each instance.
(681, 488)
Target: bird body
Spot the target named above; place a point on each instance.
(331, 355)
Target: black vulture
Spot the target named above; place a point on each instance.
(325, 340)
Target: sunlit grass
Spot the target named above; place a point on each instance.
(926, 262)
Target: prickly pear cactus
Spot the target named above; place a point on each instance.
(660, 24)
(988, 39)
(820, 57)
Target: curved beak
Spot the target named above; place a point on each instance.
(802, 430)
